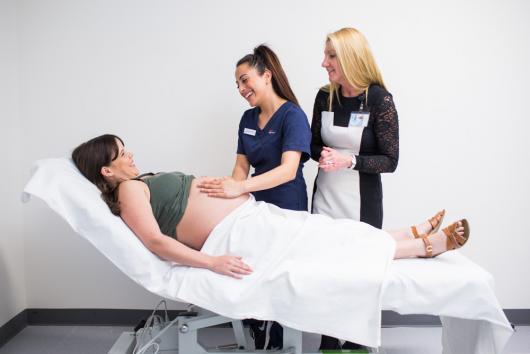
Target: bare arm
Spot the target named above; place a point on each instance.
(279, 175)
(137, 214)
(241, 169)
(234, 187)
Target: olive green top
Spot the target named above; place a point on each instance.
(169, 198)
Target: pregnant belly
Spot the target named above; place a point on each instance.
(202, 214)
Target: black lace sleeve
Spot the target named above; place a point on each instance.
(316, 124)
(386, 130)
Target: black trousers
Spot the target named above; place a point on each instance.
(258, 330)
(331, 343)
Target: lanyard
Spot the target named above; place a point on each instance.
(364, 99)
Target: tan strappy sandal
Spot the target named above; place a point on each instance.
(454, 240)
(435, 221)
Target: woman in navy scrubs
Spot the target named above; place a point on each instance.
(274, 138)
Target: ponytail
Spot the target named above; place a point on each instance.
(263, 58)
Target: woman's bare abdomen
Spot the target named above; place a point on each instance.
(202, 214)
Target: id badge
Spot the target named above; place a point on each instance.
(249, 131)
(359, 119)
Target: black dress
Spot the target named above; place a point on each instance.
(357, 193)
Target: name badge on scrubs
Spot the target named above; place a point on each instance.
(359, 119)
(249, 131)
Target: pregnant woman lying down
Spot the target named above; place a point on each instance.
(173, 219)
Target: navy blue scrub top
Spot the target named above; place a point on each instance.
(287, 130)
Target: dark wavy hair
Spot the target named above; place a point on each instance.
(263, 58)
(90, 157)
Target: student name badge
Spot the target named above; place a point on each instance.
(359, 119)
(249, 131)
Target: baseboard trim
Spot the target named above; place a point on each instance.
(124, 317)
(518, 317)
(394, 319)
(13, 327)
(90, 317)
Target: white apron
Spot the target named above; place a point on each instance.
(337, 193)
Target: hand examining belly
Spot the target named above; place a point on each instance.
(221, 187)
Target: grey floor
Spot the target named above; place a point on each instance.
(98, 340)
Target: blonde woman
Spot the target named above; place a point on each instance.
(354, 136)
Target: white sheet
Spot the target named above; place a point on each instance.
(450, 285)
(310, 272)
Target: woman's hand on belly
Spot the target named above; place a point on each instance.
(221, 187)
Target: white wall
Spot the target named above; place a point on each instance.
(161, 75)
(12, 276)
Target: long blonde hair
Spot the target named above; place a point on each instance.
(356, 62)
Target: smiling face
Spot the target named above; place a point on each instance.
(332, 66)
(122, 167)
(252, 86)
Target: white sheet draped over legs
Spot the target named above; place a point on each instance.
(311, 272)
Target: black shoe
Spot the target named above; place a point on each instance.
(350, 345)
(257, 332)
(329, 343)
(275, 336)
